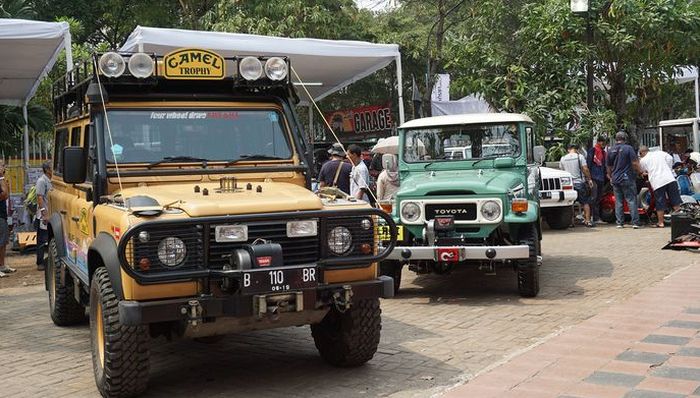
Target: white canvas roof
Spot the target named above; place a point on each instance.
(468, 118)
(29, 50)
(328, 65)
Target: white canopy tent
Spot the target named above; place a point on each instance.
(29, 50)
(325, 66)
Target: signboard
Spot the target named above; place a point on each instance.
(441, 89)
(366, 120)
(190, 63)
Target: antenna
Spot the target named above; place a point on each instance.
(303, 85)
(109, 130)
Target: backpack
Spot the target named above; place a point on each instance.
(30, 203)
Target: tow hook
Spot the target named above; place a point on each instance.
(271, 306)
(193, 310)
(342, 300)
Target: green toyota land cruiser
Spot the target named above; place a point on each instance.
(468, 197)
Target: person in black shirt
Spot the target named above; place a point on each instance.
(336, 171)
(4, 228)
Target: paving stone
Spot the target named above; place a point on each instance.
(689, 351)
(663, 339)
(644, 357)
(614, 379)
(684, 324)
(693, 310)
(652, 394)
(677, 373)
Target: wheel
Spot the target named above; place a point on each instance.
(119, 353)
(64, 308)
(349, 338)
(392, 269)
(528, 270)
(559, 217)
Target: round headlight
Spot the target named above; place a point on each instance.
(339, 240)
(144, 236)
(276, 68)
(410, 212)
(490, 210)
(171, 251)
(111, 64)
(250, 68)
(141, 65)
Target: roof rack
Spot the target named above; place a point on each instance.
(69, 91)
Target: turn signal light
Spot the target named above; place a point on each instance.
(387, 206)
(519, 205)
(365, 248)
(144, 264)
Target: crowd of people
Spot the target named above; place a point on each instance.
(623, 167)
(373, 181)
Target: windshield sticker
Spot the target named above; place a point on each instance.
(190, 115)
(273, 117)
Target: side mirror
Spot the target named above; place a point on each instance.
(539, 153)
(74, 161)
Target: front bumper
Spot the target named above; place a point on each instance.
(557, 198)
(132, 313)
(408, 253)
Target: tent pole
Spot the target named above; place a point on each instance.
(312, 135)
(399, 78)
(26, 145)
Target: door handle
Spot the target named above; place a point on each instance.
(63, 212)
(76, 219)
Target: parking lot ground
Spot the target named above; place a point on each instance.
(439, 332)
(647, 346)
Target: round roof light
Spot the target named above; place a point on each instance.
(141, 65)
(112, 64)
(250, 68)
(276, 68)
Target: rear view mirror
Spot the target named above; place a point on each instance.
(74, 170)
(539, 153)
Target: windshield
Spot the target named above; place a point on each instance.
(153, 135)
(448, 143)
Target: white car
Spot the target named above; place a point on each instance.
(557, 196)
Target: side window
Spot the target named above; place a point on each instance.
(530, 144)
(60, 142)
(75, 136)
(87, 145)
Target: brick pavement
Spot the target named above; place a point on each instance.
(439, 331)
(646, 347)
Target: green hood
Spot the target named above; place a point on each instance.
(485, 181)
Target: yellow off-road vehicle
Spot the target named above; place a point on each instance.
(181, 207)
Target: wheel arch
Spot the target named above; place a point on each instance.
(103, 253)
(56, 231)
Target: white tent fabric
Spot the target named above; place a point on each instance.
(327, 65)
(468, 104)
(686, 74)
(29, 50)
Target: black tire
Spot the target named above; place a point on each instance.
(529, 270)
(350, 338)
(122, 368)
(607, 214)
(559, 218)
(65, 310)
(392, 269)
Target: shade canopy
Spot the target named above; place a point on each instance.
(326, 65)
(29, 50)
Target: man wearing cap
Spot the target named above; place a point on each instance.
(623, 166)
(336, 171)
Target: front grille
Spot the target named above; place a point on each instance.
(460, 211)
(295, 251)
(550, 184)
(191, 235)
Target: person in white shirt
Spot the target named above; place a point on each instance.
(576, 165)
(659, 167)
(359, 176)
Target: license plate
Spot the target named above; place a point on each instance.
(384, 232)
(274, 280)
(448, 255)
(546, 195)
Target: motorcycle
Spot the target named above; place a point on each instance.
(645, 201)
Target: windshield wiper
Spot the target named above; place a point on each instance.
(171, 159)
(248, 156)
(486, 158)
